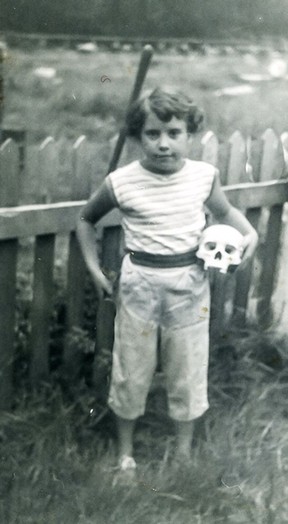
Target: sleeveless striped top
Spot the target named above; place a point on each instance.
(162, 214)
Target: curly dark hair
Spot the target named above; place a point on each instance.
(165, 104)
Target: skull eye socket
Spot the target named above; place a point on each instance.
(210, 246)
(230, 249)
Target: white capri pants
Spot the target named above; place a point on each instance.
(176, 303)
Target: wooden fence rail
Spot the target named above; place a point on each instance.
(254, 177)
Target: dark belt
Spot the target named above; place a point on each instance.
(163, 261)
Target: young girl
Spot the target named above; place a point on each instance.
(163, 292)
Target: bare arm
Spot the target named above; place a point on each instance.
(99, 204)
(224, 213)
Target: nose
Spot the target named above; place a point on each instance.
(163, 142)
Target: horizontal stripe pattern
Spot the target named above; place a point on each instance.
(162, 214)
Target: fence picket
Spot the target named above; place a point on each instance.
(41, 306)
(81, 170)
(284, 142)
(270, 154)
(248, 166)
(76, 279)
(8, 257)
(31, 190)
(210, 148)
(47, 169)
(9, 194)
(270, 170)
(110, 262)
(236, 172)
(75, 284)
(9, 173)
(244, 278)
(270, 256)
(218, 286)
(65, 170)
(255, 157)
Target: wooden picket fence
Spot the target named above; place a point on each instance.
(44, 187)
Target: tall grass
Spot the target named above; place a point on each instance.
(58, 454)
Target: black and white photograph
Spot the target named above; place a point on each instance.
(143, 273)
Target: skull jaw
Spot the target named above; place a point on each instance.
(216, 264)
(222, 265)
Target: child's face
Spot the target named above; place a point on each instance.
(165, 144)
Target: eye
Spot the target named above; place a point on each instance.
(153, 134)
(174, 133)
(230, 249)
(210, 246)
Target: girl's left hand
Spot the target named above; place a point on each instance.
(249, 247)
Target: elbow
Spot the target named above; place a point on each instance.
(78, 225)
(223, 215)
(82, 217)
(81, 222)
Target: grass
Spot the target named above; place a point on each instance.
(57, 453)
(75, 101)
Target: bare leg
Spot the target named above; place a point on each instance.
(125, 436)
(184, 435)
(126, 465)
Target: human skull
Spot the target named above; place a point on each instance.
(220, 246)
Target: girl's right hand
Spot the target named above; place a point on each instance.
(102, 284)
